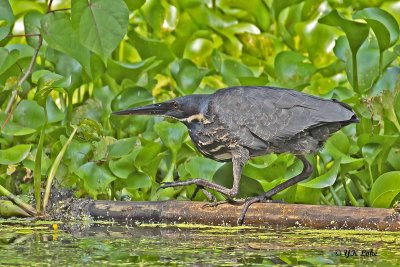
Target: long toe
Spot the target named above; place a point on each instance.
(246, 206)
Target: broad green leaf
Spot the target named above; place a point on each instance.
(14, 154)
(133, 71)
(291, 69)
(310, 32)
(356, 32)
(96, 179)
(198, 50)
(7, 59)
(171, 134)
(306, 195)
(200, 167)
(101, 24)
(367, 61)
(125, 165)
(138, 180)
(149, 152)
(324, 180)
(54, 114)
(247, 187)
(66, 66)
(149, 48)
(100, 148)
(29, 114)
(9, 209)
(131, 97)
(57, 31)
(14, 129)
(370, 152)
(231, 70)
(154, 13)
(122, 147)
(77, 154)
(383, 24)
(279, 5)
(186, 75)
(134, 4)
(6, 18)
(253, 81)
(385, 190)
(32, 26)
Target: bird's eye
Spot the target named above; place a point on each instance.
(175, 105)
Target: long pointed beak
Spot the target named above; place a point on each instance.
(154, 109)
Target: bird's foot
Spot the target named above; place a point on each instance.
(248, 202)
(236, 202)
(209, 195)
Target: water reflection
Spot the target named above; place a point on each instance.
(196, 246)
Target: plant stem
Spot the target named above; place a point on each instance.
(37, 172)
(23, 35)
(355, 72)
(324, 200)
(54, 168)
(334, 196)
(348, 191)
(360, 189)
(17, 201)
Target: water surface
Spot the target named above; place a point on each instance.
(152, 245)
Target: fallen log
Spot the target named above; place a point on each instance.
(260, 214)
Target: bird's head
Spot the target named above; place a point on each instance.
(180, 108)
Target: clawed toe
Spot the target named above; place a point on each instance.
(248, 202)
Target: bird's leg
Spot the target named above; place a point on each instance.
(209, 196)
(307, 170)
(239, 157)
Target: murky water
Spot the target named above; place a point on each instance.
(110, 245)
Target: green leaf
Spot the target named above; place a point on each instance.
(279, 5)
(131, 97)
(383, 24)
(292, 70)
(133, 71)
(356, 32)
(149, 152)
(9, 209)
(14, 154)
(134, 4)
(148, 48)
(154, 14)
(370, 152)
(122, 147)
(324, 180)
(247, 187)
(6, 18)
(76, 155)
(125, 165)
(96, 179)
(7, 59)
(200, 167)
(385, 190)
(32, 26)
(54, 114)
(29, 114)
(198, 50)
(57, 31)
(138, 180)
(231, 70)
(171, 134)
(186, 75)
(101, 24)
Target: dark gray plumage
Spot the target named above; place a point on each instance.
(237, 123)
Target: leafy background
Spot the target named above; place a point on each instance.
(66, 65)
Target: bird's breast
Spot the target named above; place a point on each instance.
(212, 141)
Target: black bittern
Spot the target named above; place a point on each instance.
(238, 123)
